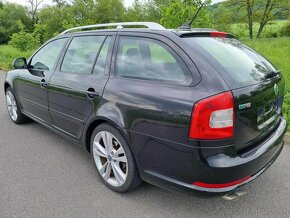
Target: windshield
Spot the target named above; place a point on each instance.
(240, 65)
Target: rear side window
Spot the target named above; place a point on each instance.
(148, 59)
(81, 54)
(241, 65)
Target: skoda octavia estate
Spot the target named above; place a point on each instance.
(191, 109)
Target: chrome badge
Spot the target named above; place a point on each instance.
(276, 89)
(246, 105)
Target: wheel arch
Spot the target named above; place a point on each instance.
(97, 122)
(6, 86)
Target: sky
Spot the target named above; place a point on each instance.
(126, 2)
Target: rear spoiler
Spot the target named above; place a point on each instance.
(214, 34)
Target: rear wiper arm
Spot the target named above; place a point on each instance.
(271, 74)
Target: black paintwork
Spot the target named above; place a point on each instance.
(155, 117)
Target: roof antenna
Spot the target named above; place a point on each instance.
(186, 26)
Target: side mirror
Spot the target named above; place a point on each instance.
(20, 63)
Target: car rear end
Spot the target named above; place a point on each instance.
(239, 132)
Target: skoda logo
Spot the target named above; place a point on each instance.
(276, 89)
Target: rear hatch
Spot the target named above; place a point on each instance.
(257, 87)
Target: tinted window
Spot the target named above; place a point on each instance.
(240, 64)
(46, 57)
(102, 58)
(149, 59)
(81, 54)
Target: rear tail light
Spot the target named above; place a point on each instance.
(218, 34)
(213, 118)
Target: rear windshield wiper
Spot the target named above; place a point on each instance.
(272, 74)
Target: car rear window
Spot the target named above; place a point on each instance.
(239, 65)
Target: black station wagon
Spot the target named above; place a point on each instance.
(191, 109)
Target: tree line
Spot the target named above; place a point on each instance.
(35, 25)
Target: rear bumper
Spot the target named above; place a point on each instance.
(217, 167)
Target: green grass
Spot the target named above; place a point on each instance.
(8, 54)
(277, 50)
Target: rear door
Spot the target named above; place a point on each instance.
(77, 85)
(257, 87)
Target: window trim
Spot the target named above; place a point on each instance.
(94, 63)
(57, 59)
(175, 54)
(107, 58)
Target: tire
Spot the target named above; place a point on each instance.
(117, 168)
(13, 107)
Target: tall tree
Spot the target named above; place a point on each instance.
(33, 9)
(255, 11)
(59, 3)
(269, 10)
(236, 7)
(10, 15)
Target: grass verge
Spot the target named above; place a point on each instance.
(277, 50)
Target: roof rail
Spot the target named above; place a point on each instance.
(150, 25)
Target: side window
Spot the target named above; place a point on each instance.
(102, 58)
(81, 54)
(149, 59)
(46, 58)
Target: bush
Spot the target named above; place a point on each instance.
(24, 41)
(286, 107)
(271, 35)
(285, 30)
(8, 54)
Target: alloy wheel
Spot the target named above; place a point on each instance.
(11, 105)
(110, 158)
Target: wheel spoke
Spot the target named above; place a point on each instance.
(108, 171)
(120, 159)
(8, 100)
(103, 168)
(14, 113)
(107, 139)
(118, 173)
(11, 111)
(99, 150)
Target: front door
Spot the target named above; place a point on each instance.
(32, 83)
(77, 85)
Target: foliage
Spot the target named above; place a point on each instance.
(8, 54)
(9, 14)
(23, 40)
(109, 11)
(181, 11)
(147, 11)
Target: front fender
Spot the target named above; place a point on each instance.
(10, 79)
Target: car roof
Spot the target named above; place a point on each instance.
(150, 28)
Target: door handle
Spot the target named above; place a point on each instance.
(43, 83)
(91, 93)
